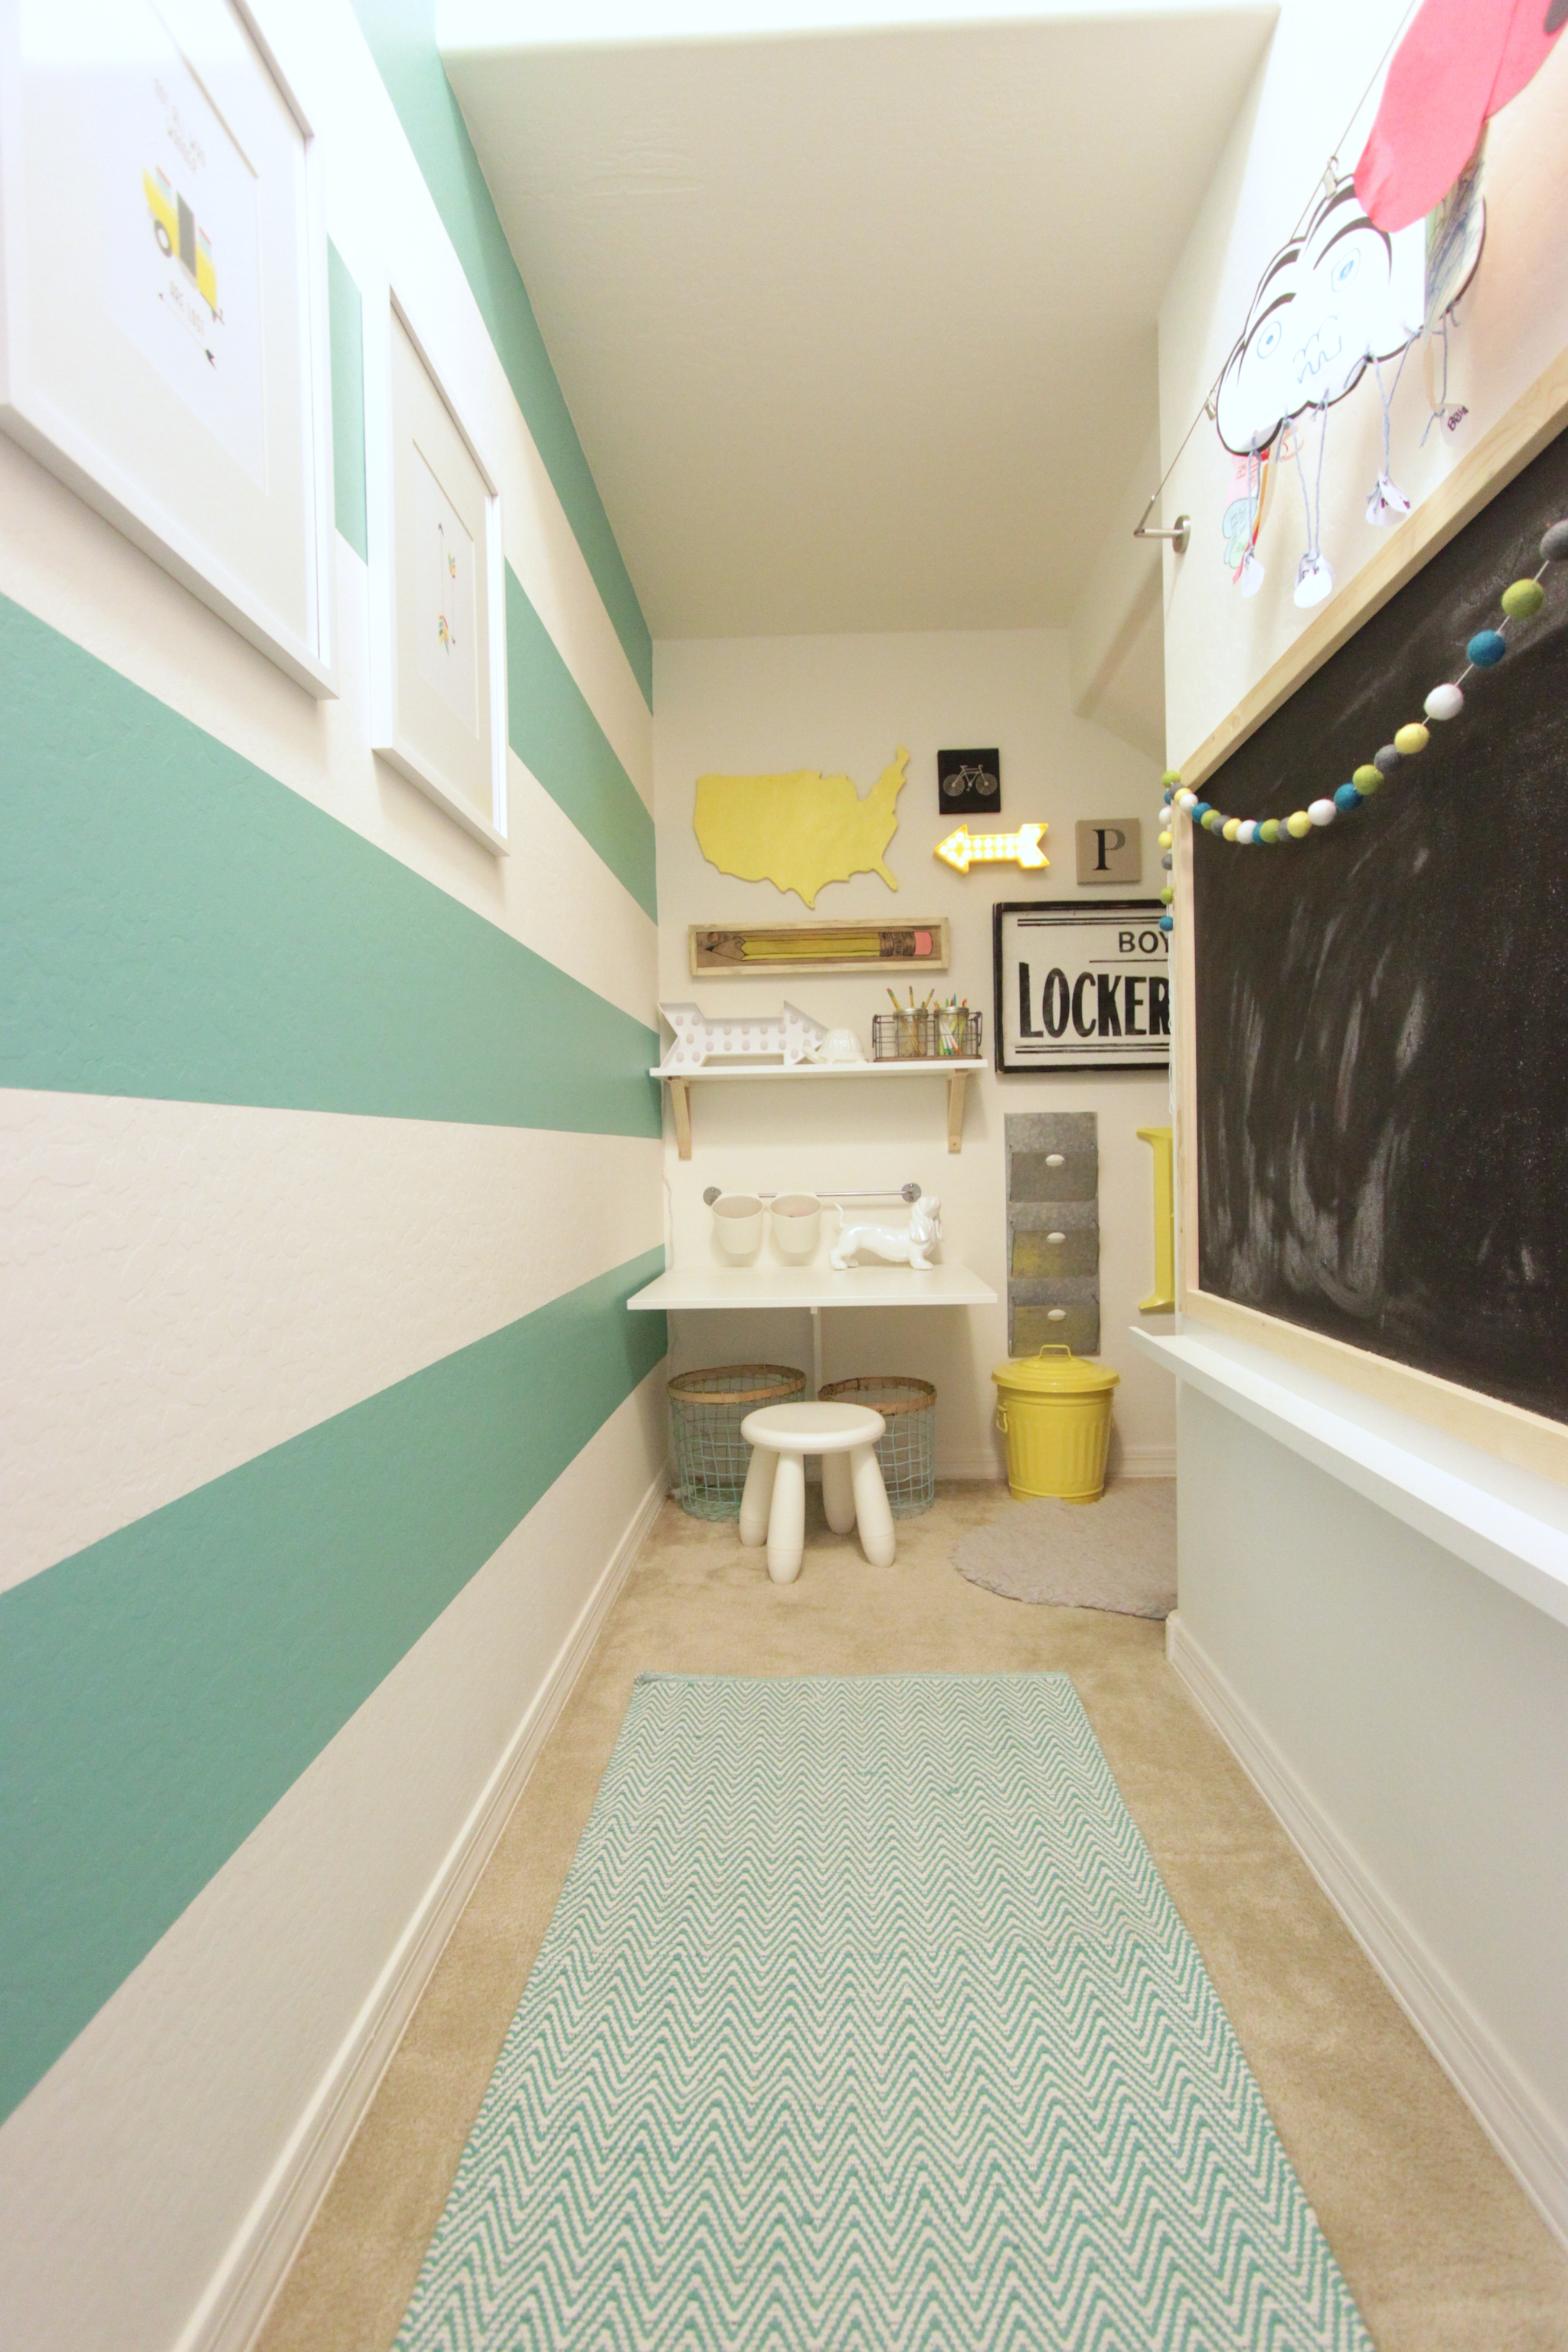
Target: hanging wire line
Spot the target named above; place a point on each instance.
(1441, 410)
(1314, 521)
(1326, 174)
(1386, 398)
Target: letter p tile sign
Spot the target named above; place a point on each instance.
(1110, 849)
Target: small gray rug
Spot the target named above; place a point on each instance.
(1119, 1553)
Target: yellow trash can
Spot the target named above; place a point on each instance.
(1055, 1412)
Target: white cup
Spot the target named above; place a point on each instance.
(797, 1223)
(738, 1223)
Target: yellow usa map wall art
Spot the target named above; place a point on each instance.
(799, 832)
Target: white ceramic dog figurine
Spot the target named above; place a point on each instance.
(899, 1245)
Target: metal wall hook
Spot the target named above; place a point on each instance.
(1178, 537)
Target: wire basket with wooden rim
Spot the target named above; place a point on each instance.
(706, 1410)
(907, 1449)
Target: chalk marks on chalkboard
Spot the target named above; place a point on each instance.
(1381, 1026)
(1360, 1034)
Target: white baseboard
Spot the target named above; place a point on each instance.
(1528, 2138)
(983, 1464)
(1142, 1461)
(241, 2291)
(1132, 1462)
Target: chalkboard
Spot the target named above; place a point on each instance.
(1382, 1010)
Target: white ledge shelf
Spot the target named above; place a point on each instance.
(956, 1073)
(949, 1285)
(1510, 1524)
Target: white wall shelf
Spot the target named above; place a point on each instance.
(1510, 1524)
(955, 1072)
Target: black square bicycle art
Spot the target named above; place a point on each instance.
(968, 783)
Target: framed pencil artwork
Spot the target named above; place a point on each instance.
(715, 948)
(163, 313)
(437, 591)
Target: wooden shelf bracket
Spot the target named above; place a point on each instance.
(957, 1082)
(680, 1104)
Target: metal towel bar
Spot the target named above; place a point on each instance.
(828, 1192)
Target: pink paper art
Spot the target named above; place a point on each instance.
(1459, 64)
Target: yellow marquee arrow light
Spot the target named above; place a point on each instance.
(963, 849)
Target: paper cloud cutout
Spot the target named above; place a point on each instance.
(1328, 302)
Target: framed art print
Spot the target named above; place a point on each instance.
(768, 948)
(439, 589)
(163, 302)
(1081, 984)
(968, 783)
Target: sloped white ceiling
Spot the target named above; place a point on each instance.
(857, 326)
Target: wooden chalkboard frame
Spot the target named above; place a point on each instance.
(1528, 1440)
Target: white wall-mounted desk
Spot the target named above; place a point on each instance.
(1510, 1524)
(812, 1286)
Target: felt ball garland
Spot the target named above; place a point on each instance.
(1519, 602)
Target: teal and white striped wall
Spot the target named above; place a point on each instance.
(331, 1159)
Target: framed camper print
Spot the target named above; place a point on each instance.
(163, 302)
(1081, 984)
(437, 585)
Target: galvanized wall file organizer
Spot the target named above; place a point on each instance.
(1053, 1231)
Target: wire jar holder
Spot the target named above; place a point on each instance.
(927, 1034)
(906, 1452)
(706, 1410)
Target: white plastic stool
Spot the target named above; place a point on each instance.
(773, 1509)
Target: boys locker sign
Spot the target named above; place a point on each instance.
(1082, 985)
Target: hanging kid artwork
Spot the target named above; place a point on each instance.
(1460, 62)
(1243, 519)
(1341, 298)
(1329, 304)
(1338, 300)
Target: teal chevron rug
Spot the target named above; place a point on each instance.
(865, 2024)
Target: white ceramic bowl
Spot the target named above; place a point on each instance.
(797, 1225)
(738, 1223)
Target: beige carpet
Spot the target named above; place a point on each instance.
(1119, 1553)
(1442, 2251)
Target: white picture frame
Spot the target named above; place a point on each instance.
(164, 341)
(437, 585)
(1081, 984)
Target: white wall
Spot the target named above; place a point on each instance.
(1411, 1713)
(846, 704)
(1116, 650)
(156, 2183)
(1410, 1717)
(188, 1285)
